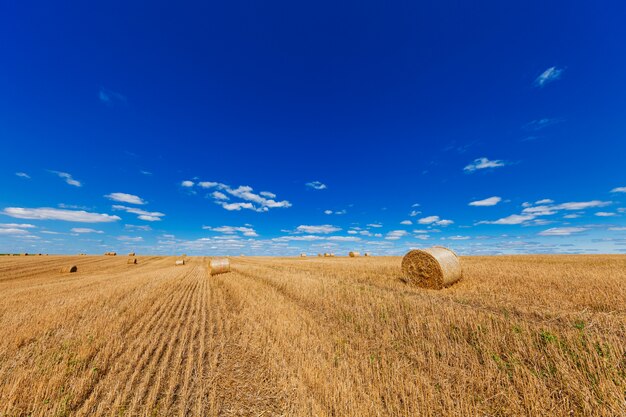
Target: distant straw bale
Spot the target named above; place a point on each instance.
(303, 255)
(435, 267)
(219, 266)
(131, 254)
(180, 262)
(367, 254)
(354, 254)
(68, 269)
(132, 261)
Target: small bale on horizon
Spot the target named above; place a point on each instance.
(303, 255)
(131, 254)
(68, 269)
(180, 262)
(354, 254)
(132, 261)
(434, 268)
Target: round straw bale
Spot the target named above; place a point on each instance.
(319, 254)
(70, 268)
(354, 254)
(326, 255)
(132, 261)
(180, 262)
(219, 266)
(435, 267)
(367, 254)
(131, 254)
(303, 255)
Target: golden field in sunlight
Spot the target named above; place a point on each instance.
(518, 335)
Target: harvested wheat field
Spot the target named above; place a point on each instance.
(518, 335)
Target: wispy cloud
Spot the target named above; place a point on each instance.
(12, 231)
(540, 124)
(231, 230)
(531, 212)
(619, 190)
(316, 185)
(605, 214)
(406, 222)
(132, 239)
(321, 229)
(512, 219)
(187, 183)
(376, 225)
(48, 213)
(149, 216)
(68, 178)
(562, 231)
(18, 225)
(483, 163)
(85, 230)
(110, 97)
(22, 175)
(459, 237)
(126, 198)
(339, 212)
(548, 76)
(396, 234)
(131, 227)
(487, 202)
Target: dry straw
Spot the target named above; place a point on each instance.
(367, 254)
(354, 254)
(110, 253)
(71, 268)
(435, 267)
(303, 255)
(131, 254)
(132, 261)
(326, 255)
(180, 262)
(219, 266)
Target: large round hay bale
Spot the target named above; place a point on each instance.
(180, 262)
(131, 254)
(69, 268)
(354, 254)
(132, 261)
(219, 266)
(367, 254)
(435, 267)
(326, 255)
(319, 254)
(303, 255)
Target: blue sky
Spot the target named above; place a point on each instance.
(282, 127)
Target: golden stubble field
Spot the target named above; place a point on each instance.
(518, 336)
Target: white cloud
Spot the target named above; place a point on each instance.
(572, 216)
(328, 212)
(17, 225)
(582, 205)
(344, 238)
(325, 228)
(491, 201)
(130, 238)
(12, 231)
(512, 219)
(85, 230)
(435, 220)
(604, 214)
(375, 225)
(187, 183)
(396, 234)
(22, 175)
(549, 75)
(458, 237)
(544, 201)
(125, 198)
(415, 205)
(267, 194)
(483, 163)
(47, 213)
(316, 185)
(150, 216)
(68, 178)
(230, 230)
(420, 231)
(218, 195)
(614, 190)
(145, 228)
(237, 206)
(414, 213)
(428, 220)
(562, 231)
(208, 184)
(618, 229)
(406, 222)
